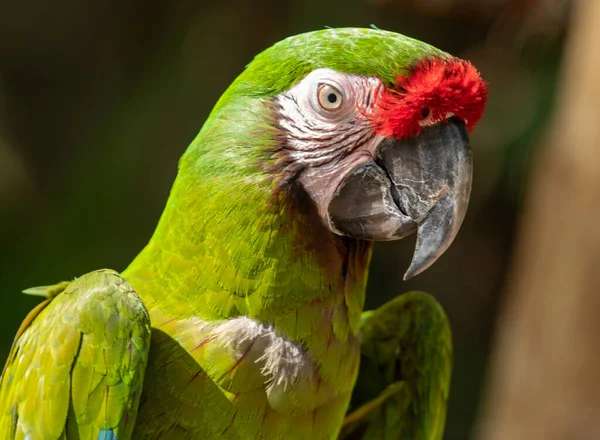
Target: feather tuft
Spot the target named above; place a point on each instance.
(434, 90)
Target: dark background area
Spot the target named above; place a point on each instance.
(99, 100)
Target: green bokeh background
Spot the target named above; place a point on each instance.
(99, 99)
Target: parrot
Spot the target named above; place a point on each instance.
(243, 316)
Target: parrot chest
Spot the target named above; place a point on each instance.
(240, 379)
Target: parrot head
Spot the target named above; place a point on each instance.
(372, 126)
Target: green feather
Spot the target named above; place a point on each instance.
(47, 291)
(403, 386)
(77, 368)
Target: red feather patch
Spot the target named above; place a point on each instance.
(434, 89)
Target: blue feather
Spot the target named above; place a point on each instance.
(107, 434)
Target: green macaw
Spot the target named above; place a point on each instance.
(243, 316)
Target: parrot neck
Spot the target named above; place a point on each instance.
(227, 246)
(243, 253)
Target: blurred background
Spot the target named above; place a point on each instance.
(99, 99)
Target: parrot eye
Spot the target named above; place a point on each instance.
(329, 97)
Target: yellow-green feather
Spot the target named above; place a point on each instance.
(78, 366)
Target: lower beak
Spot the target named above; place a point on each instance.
(422, 183)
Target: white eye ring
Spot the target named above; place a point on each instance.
(329, 97)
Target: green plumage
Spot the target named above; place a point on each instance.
(241, 280)
(404, 379)
(78, 367)
(368, 52)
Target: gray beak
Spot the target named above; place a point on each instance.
(422, 183)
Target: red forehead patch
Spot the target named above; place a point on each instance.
(433, 89)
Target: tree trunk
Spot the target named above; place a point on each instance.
(545, 375)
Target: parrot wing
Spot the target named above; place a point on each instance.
(403, 383)
(77, 365)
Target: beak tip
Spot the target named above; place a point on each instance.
(416, 268)
(435, 234)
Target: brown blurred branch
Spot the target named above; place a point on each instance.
(545, 377)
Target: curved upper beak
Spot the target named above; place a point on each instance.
(422, 183)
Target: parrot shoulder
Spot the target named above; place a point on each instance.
(77, 364)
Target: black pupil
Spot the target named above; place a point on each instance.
(425, 112)
(332, 98)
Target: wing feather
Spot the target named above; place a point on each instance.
(77, 364)
(404, 378)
